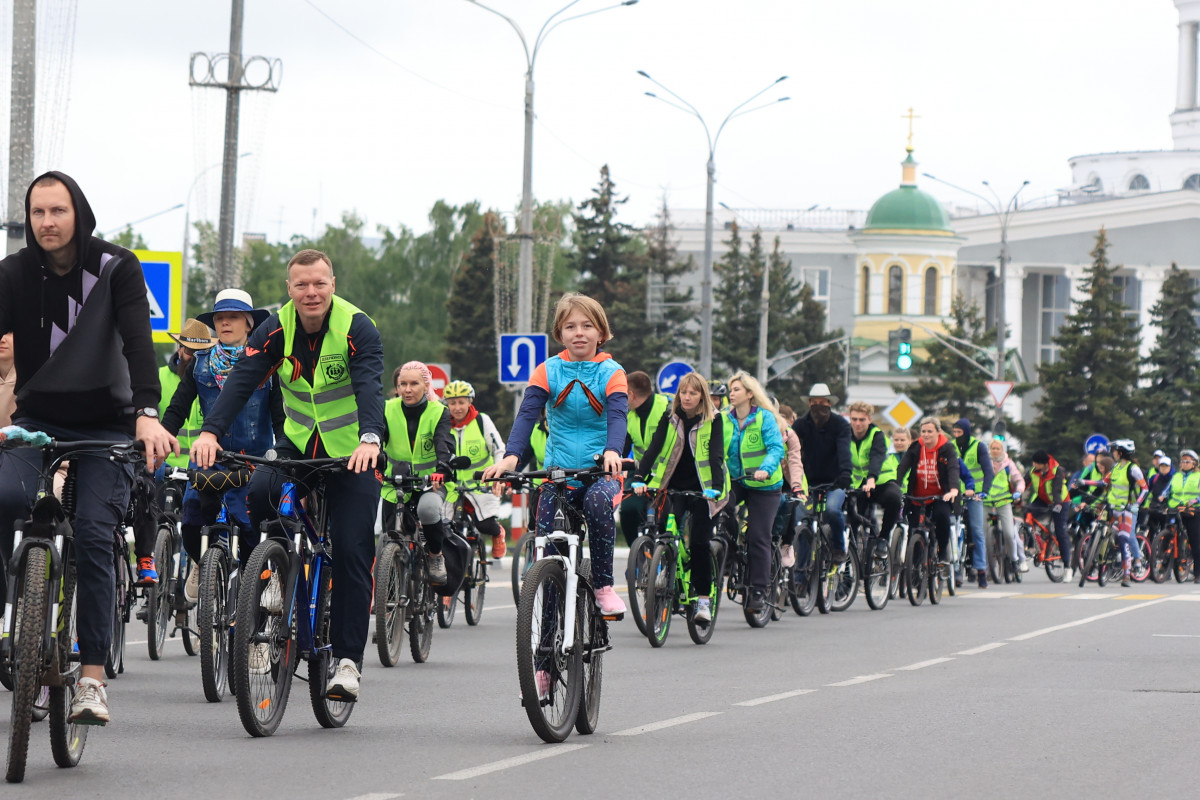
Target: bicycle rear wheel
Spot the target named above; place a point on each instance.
(876, 578)
(67, 739)
(1087, 557)
(702, 633)
(522, 558)
(322, 665)
(391, 601)
(660, 595)
(158, 605)
(637, 567)
(114, 663)
(1161, 561)
(214, 623)
(802, 589)
(264, 643)
(591, 661)
(1183, 561)
(916, 568)
(777, 587)
(1056, 567)
(447, 610)
(29, 617)
(1139, 570)
(476, 585)
(841, 583)
(550, 677)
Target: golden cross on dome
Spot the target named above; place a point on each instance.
(910, 116)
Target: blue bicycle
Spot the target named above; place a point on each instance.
(288, 574)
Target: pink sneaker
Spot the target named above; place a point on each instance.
(543, 683)
(611, 606)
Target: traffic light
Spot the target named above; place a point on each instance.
(893, 350)
(854, 369)
(904, 359)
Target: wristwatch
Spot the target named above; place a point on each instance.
(369, 438)
(146, 412)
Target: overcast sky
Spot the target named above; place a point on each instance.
(1005, 92)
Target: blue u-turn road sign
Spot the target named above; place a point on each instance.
(669, 375)
(520, 353)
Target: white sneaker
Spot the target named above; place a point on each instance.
(90, 706)
(703, 613)
(344, 683)
(260, 659)
(271, 598)
(191, 587)
(788, 556)
(1023, 566)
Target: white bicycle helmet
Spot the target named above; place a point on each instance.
(1124, 444)
(1190, 454)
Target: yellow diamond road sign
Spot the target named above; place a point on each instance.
(903, 412)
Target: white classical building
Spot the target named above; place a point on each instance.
(909, 254)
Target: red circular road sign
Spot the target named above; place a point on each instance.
(440, 379)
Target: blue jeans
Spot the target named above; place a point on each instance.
(974, 509)
(834, 501)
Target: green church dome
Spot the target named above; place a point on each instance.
(908, 209)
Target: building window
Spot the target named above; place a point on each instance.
(931, 292)
(1139, 183)
(1130, 295)
(895, 304)
(818, 279)
(1054, 306)
(866, 290)
(1192, 182)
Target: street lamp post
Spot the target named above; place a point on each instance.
(1003, 216)
(706, 297)
(525, 235)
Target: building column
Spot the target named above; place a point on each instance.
(1014, 319)
(1150, 280)
(1186, 79)
(1077, 274)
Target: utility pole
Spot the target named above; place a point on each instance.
(764, 314)
(235, 83)
(20, 126)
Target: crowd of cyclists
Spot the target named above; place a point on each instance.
(306, 382)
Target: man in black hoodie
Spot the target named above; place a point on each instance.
(85, 370)
(825, 442)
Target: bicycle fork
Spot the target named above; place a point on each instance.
(559, 536)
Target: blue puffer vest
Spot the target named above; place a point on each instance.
(575, 411)
(251, 432)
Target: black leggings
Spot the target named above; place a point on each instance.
(761, 506)
(939, 512)
(696, 508)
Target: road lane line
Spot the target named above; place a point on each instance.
(1087, 597)
(667, 723)
(377, 796)
(861, 679)
(983, 648)
(1041, 596)
(549, 751)
(1053, 628)
(1187, 598)
(985, 595)
(758, 701)
(923, 664)
(1138, 596)
(1178, 635)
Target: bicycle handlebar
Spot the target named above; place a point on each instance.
(272, 459)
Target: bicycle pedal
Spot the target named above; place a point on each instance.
(614, 617)
(337, 698)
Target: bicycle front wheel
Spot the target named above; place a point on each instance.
(842, 583)
(322, 665)
(592, 657)
(876, 578)
(447, 609)
(522, 558)
(29, 616)
(916, 568)
(158, 604)
(67, 739)
(636, 569)
(1183, 559)
(391, 602)
(1161, 561)
(421, 611)
(214, 623)
(701, 633)
(1056, 567)
(476, 585)
(549, 675)
(114, 663)
(660, 595)
(264, 643)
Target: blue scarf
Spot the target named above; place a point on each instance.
(221, 360)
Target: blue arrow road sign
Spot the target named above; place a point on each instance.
(519, 354)
(669, 375)
(1095, 444)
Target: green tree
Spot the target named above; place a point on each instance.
(129, 239)
(1170, 402)
(735, 297)
(1090, 386)
(471, 332)
(668, 308)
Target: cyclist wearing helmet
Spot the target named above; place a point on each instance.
(476, 437)
(1127, 490)
(1047, 482)
(1183, 497)
(720, 394)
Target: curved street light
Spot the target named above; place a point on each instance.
(706, 299)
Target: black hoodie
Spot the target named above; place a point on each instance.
(81, 341)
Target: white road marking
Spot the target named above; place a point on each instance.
(376, 796)
(990, 595)
(667, 723)
(758, 701)
(1187, 598)
(1087, 597)
(983, 648)
(861, 679)
(1053, 628)
(549, 751)
(1178, 635)
(923, 664)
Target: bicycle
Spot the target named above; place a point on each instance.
(926, 574)
(217, 587)
(1170, 551)
(165, 600)
(522, 557)
(669, 578)
(637, 566)
(284, 578)
(126, 590)
(730, 528)
(38, 645)
(1002, 567)
(562, 635)
(475, 576)
(1043, 545)
(864, 532)
(817, 580)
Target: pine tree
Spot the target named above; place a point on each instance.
(470, 330)
(668, 307)
(735, 326)
(1170, 403)
(1090, 387)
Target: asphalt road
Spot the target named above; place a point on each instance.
(1033, 689)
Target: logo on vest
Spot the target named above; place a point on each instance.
(334, 367)
(427, 442)
(475, 449)
(753, 438)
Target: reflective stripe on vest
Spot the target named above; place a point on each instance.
(1037, 487)
(707, 457)
(658, 407)
(751, 459)
(1184, 490)
(971, 458)
(1120, 490)
(473, 445)
(326, 406)
(1001, 494)
(860, 458)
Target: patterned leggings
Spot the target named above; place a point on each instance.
(596, 503)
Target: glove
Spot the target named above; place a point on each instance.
(711, 494)
(1016, 496)
(637, 485)
(842, 482)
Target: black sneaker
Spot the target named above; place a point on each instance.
(840, 556)
(1125, 582)
(881, 548)
(982, 575)
(756, 601)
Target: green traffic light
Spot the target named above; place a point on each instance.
(904, 361)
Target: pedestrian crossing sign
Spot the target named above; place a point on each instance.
(163, 272)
